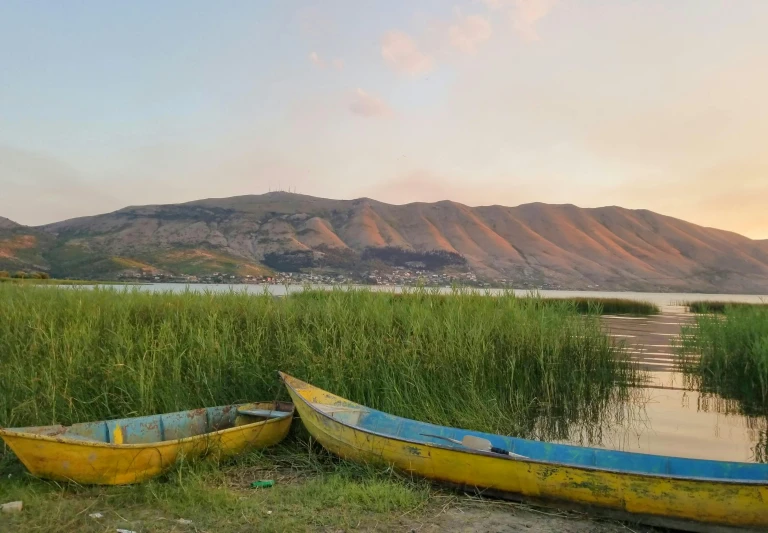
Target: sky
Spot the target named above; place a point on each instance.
(659, 105)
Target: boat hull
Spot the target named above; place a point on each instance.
(689, 504)
(98, 463)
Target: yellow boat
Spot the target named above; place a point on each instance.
(688, 494)
(130, 450)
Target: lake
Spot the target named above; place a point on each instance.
(661, 299)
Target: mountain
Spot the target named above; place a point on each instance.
(530, 245)
(7, 224)
(21, 247)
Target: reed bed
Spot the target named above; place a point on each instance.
(586, 305)
(710, 306)
(613, 306)
(504, 364)
(727, 354)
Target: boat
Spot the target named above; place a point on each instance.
(688, 494)
(131, 450)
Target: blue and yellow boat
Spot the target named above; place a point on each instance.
(688, 494)
(130, 450)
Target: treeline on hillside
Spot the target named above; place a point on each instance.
(20, 274)
(292, 261)
(429, 260)
(346, 259)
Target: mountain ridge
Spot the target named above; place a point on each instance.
(7, 223)
(529, 245)
(21, 247)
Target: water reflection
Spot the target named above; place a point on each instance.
(666, 419)
(613, 426)
(755, 421)
(673, 414)
(669, 416)
(662, 299)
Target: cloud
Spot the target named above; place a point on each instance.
(319, 62)
(469, 32)
(402, 54)
(524, 14)
(527, 13)
(316, 60)
(368, 105)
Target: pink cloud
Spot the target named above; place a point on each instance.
(316, 60)
(469, 32)
(527, 13)
(368, 105)
(338, 64)
(402, 54)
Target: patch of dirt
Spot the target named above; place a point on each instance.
(22, 242)
(184, 255)
(504, 517)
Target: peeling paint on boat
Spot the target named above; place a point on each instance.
(691, 494)
(130, 450)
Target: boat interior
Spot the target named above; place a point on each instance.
(165, 427)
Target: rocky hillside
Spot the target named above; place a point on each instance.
(531, 245)
(7, 224)
(21, 247)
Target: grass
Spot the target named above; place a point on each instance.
(711, 306)
(727, 354)
(508, 365)
(519, 366)
(590, 306)
(612, 306)
(312, 492)
(724, 355)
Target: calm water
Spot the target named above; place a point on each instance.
(661, 299)
(685, 423)
(664, 418)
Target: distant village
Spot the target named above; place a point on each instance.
(402, 276)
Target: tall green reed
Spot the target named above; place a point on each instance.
(713, 306)
(505, 364)
(727, 354)
(622, 306)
